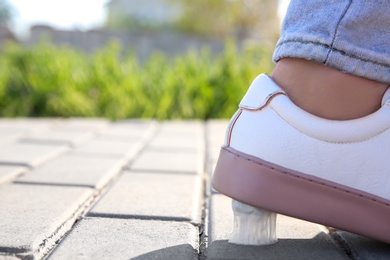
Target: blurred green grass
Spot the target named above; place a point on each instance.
(46, 80)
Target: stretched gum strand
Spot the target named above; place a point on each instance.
(253, 226)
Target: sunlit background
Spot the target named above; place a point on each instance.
(166, 59)
(68, 14)
(63, 14)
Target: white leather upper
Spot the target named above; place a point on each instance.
(354, 153)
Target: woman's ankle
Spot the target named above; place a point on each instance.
(327, 92)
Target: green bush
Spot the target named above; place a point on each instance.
(51, 81)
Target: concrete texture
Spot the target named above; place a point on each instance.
(128, 130)
(32, 214)
(27, 125)
(7, 257)
(139, 189)
(75, 169)
(83, 124)
(99, 238)
(58, 137)
(184, 136)
(107, 148)
(153, 196)
(365, 248)
(10, 135)
(8, 172)
(30, 155)
(169, 161)
(215, 138)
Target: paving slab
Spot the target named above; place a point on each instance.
(364, 247)
(30, 155)
(186, 136)
(8, 257)
(83, 124)
(108, 148)
(296, 239)
(105, 238)
(170, 161)
(13, 129)
(152, 196)
(59, 137)
(9, 172)
(27, 125)
(215, 137)
(10, 135)
(129, 129)
(76, 169)
(32, 215)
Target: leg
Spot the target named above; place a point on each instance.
(267, 163)
(341, 96)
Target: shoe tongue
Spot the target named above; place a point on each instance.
(386, 97)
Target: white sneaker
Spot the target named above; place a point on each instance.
(279, 157)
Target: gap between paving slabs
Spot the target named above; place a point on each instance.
(64, 227)
(198, 225)
(152, 129)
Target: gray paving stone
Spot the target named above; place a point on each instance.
(129, 128)
(105, 238)
(120, 139)
(215, 137)
(10, 135)
(215, 130)
(156, 196)
(8, 257)
(365, 248)
(297, 239)
(59, 137)
(176, 147)
(83, 124)
(13, 129)
(29, 154)
(76, 169)
(28, 125)
(186, 135)
(220, 218)
(129, 131)
(171, 160)
(8, 172)
(109, 148)
(32, 215)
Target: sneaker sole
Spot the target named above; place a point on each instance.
(265, 185)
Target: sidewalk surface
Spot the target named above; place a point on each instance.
(135, 189)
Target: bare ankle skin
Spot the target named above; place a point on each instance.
(327, 92)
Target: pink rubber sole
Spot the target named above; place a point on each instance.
(262, 184)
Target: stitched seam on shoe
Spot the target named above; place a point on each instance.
(265, 103)
(308, 179)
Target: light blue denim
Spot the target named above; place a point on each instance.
(350, 35)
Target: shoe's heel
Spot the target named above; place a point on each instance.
(253, 226)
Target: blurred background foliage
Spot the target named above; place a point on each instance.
(49, 79)
(46, 80)
(239, 19)
(242, 19)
